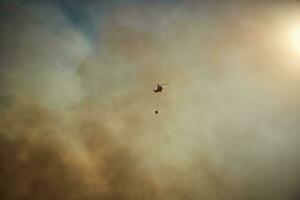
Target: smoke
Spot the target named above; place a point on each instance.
(77, 110)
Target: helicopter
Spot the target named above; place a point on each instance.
(158, 89)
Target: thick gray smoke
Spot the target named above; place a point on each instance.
(77, 111)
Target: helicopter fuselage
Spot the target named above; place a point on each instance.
(158, 89)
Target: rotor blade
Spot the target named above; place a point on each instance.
(164, 84)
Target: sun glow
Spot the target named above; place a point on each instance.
(295, 38)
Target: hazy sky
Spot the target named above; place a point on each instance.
(77, 117)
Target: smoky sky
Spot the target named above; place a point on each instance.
(77, 108)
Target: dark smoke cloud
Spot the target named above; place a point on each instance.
(35, 163)
(76, 112)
